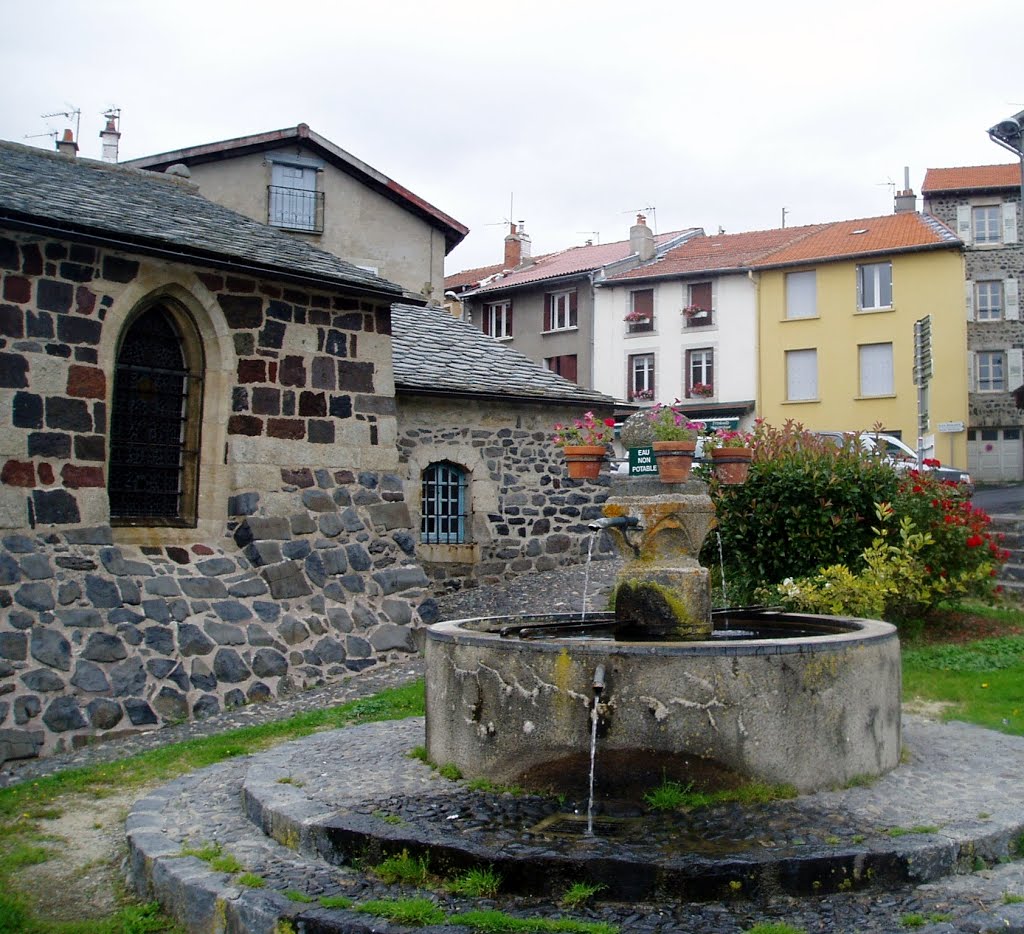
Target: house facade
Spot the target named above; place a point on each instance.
(684, 326)
(982, 203)
(298, 181)
(837, 330)
(544, 306)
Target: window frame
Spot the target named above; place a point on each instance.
(790, 355)
(189, 448)
(643, 388)
(803, 275)
(983, 363)
(443, 483)
(563, 365)
(647, 325)
(495, 313)
(986, 312)
(865, 367)
(990, 230)
(869, 274)
(695, 296)
(558, 306)
(700, 361)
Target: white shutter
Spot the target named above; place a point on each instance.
(969, 299)
(1009, 222)
(1014, 368)
(1011, 302)
(970, 371)
(963, 223)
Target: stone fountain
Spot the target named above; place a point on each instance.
(679, 691)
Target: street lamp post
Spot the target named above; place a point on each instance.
(1009, 134)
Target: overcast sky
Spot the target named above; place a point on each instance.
(570, 116)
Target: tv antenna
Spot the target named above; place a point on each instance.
(651, 210)
(72, 112)
(596, 234)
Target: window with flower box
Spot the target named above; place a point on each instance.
(641, 311)
(699, 309)
(498, 319)
(560, 311)
(641, 377)
(700, 373)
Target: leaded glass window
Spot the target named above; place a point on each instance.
(443, 510)
(154, 425)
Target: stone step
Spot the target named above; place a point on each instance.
(310, 793)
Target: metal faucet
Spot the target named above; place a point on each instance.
(614, 522)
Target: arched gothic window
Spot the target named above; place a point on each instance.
(444, 504)
(154, 422)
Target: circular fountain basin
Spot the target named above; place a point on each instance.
(809, 701)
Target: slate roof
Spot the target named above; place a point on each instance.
(454, 232)
(157, 215)
(437, 354)
(866, 236)
(971, 178)
(575, 260)
(718, 253)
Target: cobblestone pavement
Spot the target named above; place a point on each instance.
(958, 775)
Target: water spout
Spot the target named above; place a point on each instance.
(598, 683)
(615, 522)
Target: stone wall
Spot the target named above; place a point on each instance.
(989, 409)
(301, 565)
(525, 513)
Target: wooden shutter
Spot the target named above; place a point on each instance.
(970, 372)
(1009, 222)
(487, 319)
(1011, 300)
(508, 319)
(572, 308)
(969, 299)
(547, 312)
(568, 367)
(963, 224)
(700, 295)
(643, 302)
(688, 375)
(1014, 368)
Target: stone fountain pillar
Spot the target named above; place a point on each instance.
(662, 591)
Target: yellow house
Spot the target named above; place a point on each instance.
(836, 320)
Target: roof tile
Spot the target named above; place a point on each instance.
(971, 178)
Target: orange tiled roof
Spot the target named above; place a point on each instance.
(578, 259)
(971, 177)
(890, 233)
(720, 252)
(470, 276)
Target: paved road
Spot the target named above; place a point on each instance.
(1000, 500)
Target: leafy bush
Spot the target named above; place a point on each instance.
(806, 505)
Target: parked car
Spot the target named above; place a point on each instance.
(900, 455)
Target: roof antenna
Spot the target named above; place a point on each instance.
(72, 111)
(595, 233)
(651, 210)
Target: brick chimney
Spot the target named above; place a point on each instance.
(641, 239)
(517, 247)
(110, 136)
(906, 200)
(67, 145)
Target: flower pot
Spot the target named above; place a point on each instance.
(584, 460)
(674, 460)
(731, 465)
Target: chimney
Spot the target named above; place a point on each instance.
(67, 145)
(110, 135)
(517, 246)
(641, 240)
(906, 200)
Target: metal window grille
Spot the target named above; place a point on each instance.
(443, 511)
(295, 208)
(151, 460)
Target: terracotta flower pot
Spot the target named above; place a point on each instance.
(584, 460)
(731, 465)
(674, 459)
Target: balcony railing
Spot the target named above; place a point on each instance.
(295, 208)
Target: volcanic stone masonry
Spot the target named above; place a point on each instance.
(301, 565)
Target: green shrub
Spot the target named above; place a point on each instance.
(806, 505)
